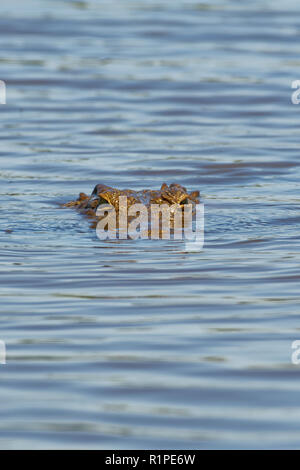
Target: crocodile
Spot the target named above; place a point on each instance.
(174, 196)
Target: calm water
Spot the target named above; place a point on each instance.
(141, 344)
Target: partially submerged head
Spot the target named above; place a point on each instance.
(170, 195)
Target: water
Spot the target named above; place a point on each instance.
(142, 344)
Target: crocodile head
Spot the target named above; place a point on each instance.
(170, 195)
(174, 196)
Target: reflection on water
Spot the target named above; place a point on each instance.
(145, 344)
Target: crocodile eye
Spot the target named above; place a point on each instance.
(185, 201)
(102, 200)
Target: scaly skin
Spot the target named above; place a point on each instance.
(102, 194)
